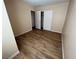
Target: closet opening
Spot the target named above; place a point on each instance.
(42, 19)
(33, 18)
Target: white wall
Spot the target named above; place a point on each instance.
(20, 16)
(59, 11)
(69, 32)
(9, 47)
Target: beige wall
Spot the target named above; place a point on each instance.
(69, 33)
(9, 47)
(20, 16)
(59, 11)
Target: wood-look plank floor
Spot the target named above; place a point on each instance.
(39, 44)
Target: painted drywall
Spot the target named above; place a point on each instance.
(59, 13)
(20, 16)
(9, 47)
(69, 32)
(43, 2)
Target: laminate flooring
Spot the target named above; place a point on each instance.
(39, 44)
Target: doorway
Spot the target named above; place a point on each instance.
(33, 18)
(42, 19)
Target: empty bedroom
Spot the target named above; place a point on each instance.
(39, 29)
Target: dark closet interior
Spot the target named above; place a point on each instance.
(33, 18)
(42, 19)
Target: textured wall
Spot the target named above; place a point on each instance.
(9, 47)
(59, 13)
(69, 32)
(20, 16)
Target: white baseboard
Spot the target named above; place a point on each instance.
(23, 33)
(14, 55)
(62, 46)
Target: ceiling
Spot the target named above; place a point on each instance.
(43, 2)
